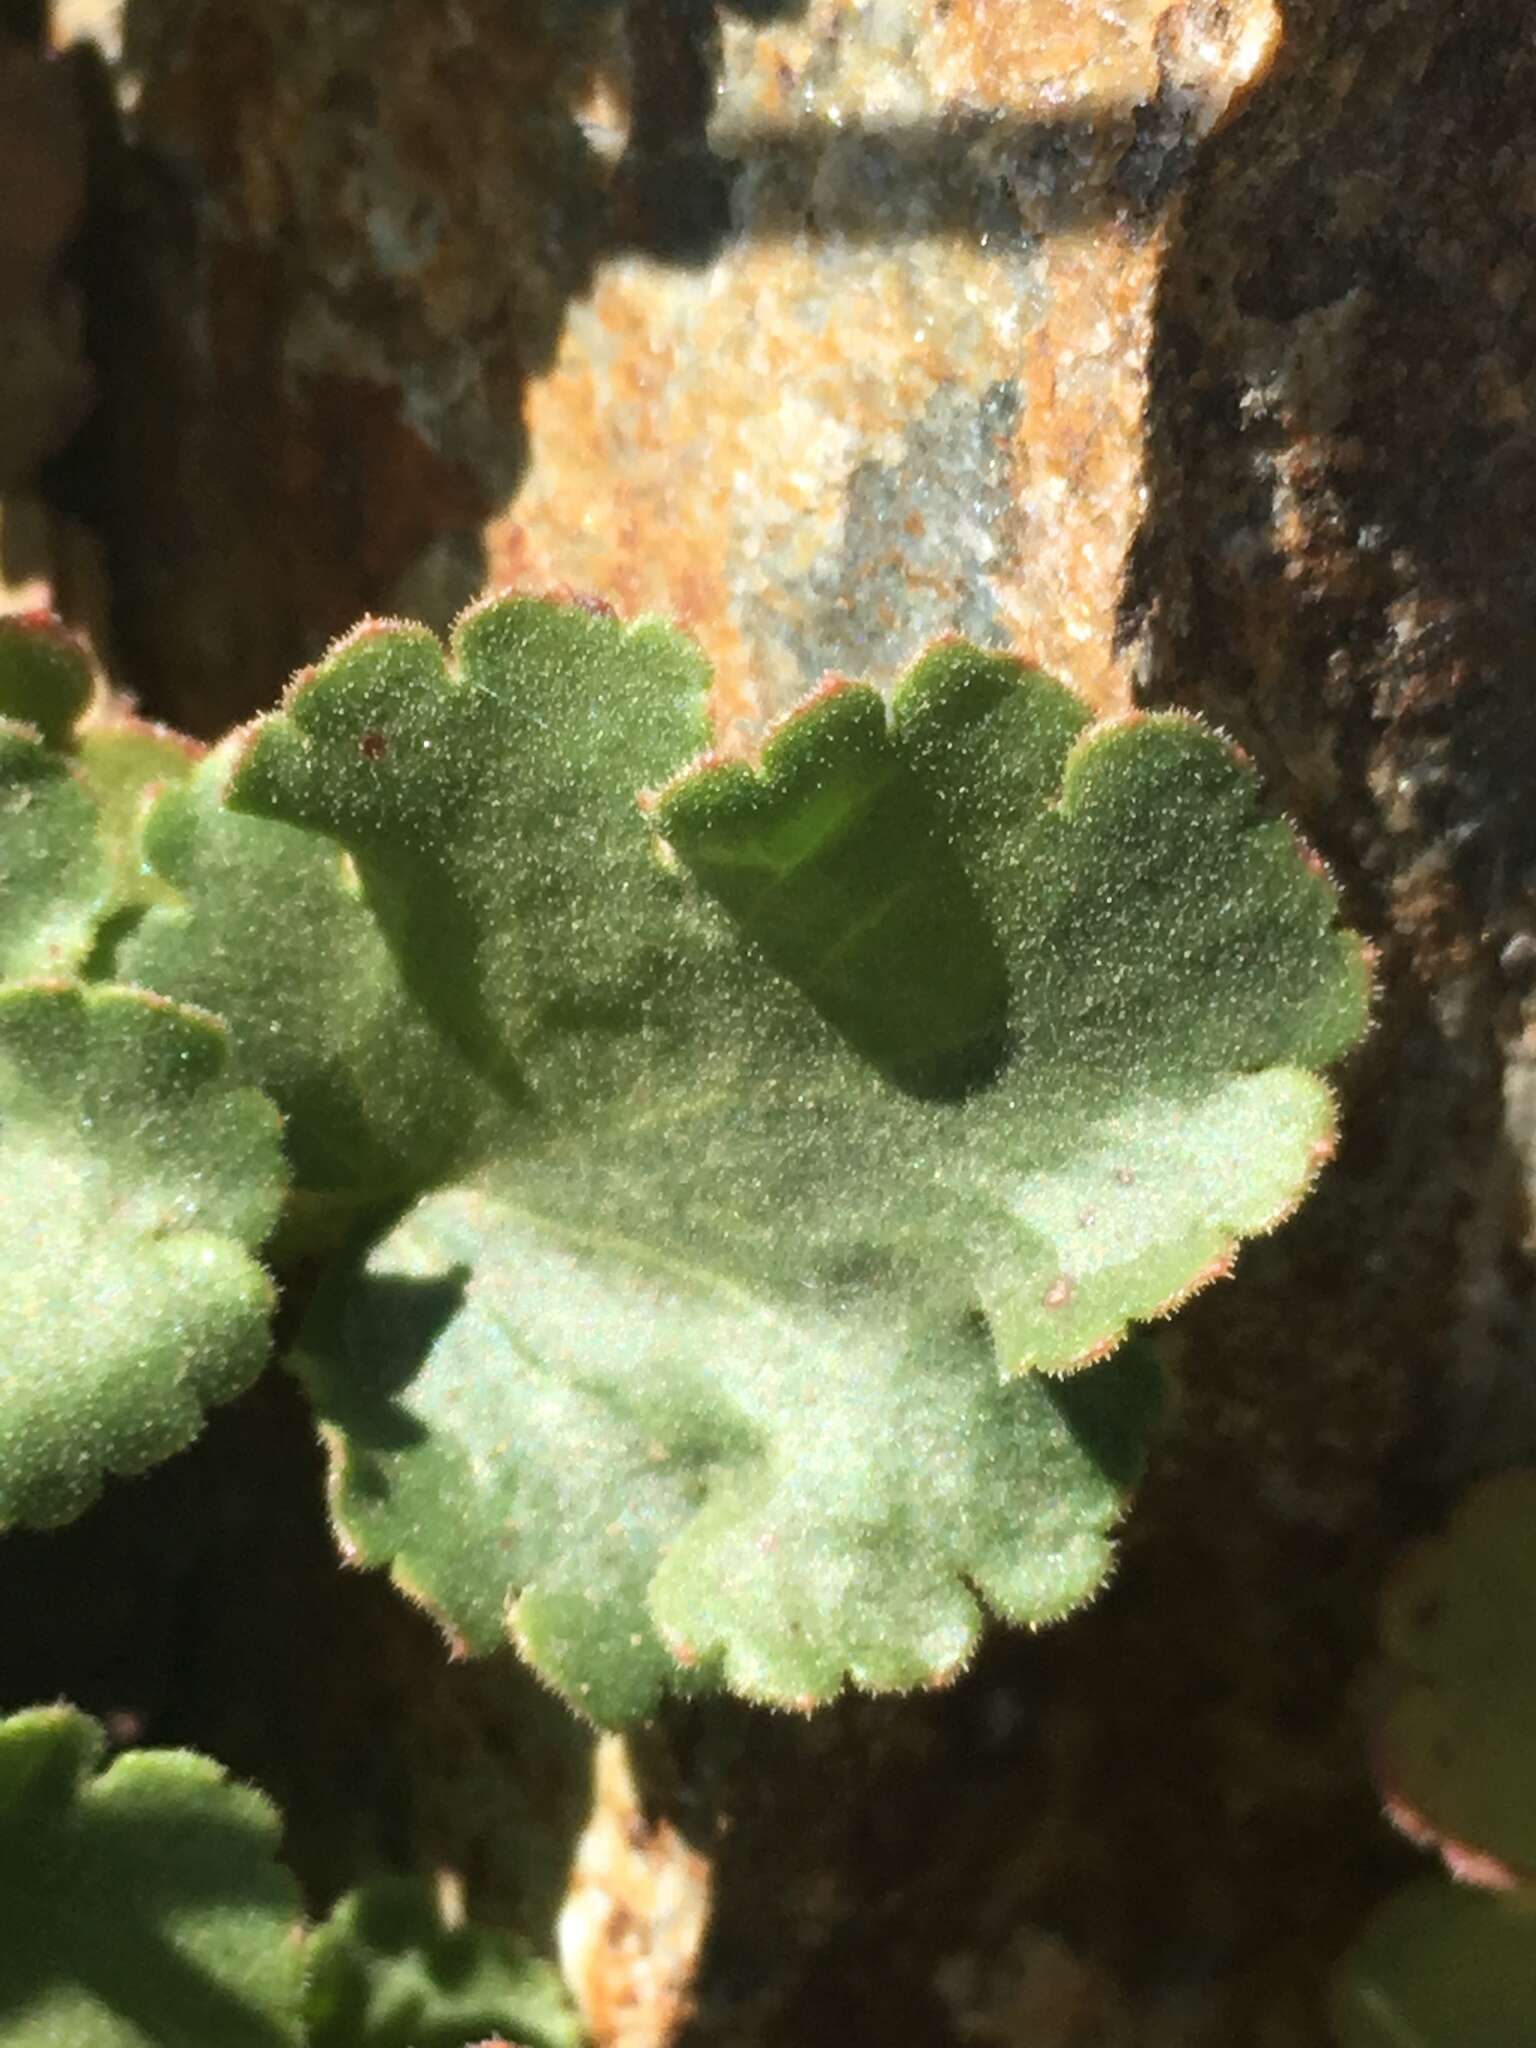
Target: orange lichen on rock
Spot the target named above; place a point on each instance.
(904, 395)
(1080, 458)
(1068, 49)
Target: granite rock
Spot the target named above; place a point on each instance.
(823, 332)
(901, 392)
(339, 240)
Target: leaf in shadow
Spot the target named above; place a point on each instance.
(142, 1908)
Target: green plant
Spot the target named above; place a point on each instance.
(390, 1969)
(145, 1907)
(1441, 1966)
(707, 1184)
(145, 1904)
(1454, 1752)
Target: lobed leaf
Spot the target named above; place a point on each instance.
(1171, 967)
(143, 1907)
(71, 801)
(637, 1468)
(490, 811)
(384, 996)
(134, 1185)
(1455, 1753)
(55, 878)
(124, 762)
(266, 926)
(387, 1971)
(948, 1041)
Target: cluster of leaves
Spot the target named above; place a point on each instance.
(714, 1198)
(144, 1906)
(1450, 1961)
(695, 1206)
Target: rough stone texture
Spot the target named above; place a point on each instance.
(904, 395)
(867, 365)
(1205, 380)
(341, 236)
(1335, 565)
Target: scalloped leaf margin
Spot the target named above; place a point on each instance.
(143, 1903)
(135, 1188)
(732, 1158)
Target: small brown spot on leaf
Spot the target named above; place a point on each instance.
(1124, 1175)
(1059, 1293)
(373, 746)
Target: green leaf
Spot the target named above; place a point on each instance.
(45, 676)
(491, 811)
(375, 994)
(71, 800)
(142, 1908)
(1439, 1966)
(124, 761)
(267, 928)
(134, 1184)
(638, 1467)
(984, 1036)
(1172, 972)
(54, 874)
(1456, 1750)
(386, 1971)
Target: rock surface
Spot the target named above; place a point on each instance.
(340, 241)
(901, 392)
(861, 362)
